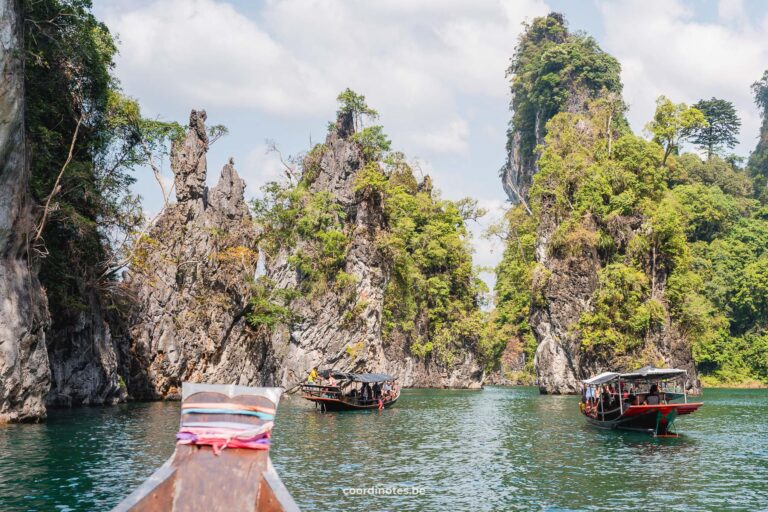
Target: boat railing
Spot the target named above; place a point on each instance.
(322, 391)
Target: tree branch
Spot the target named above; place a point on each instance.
(290, 172)
(156, 170)
(56, 185)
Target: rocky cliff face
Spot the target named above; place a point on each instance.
(84, 356)
(190, 279)
(566, 282)
(343, 330)
(567, 286)
(24, 373)
(522, 163)
(554, 73)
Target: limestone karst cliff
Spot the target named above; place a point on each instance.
(84, 355)
(190, 281)
(572, 249)
(553, 71)
(338, 319)
(24, 373)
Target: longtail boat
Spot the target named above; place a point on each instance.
(344, 395)
(647, 400)
(221, 461)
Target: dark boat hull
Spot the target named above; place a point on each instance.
(654, 419)
(335, 405)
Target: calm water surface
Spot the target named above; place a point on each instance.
(496, 449)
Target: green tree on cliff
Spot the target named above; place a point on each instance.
(723, 125)
(85, 140)
(674, 123)
(431, 301)
(550, 68)
(758, 160)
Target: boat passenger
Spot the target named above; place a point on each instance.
(605, 399)
(631, 397)
(312, 377)
(590, 395)
(365, 392)
(376, 391)
(386, 389)
(653, 396)
(331, 381)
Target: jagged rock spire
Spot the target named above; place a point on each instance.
(188, 161)
(228, 196)
(188, 321)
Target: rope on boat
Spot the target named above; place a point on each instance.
(225, 434)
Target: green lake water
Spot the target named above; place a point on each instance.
(495, 449)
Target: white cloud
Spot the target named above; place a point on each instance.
(449, 138)
(414, 59)
(664, 50)
(205, 52)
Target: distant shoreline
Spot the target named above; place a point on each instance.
(750, 384)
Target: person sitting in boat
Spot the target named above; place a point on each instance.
(590, 396)
(653, 396)
(392, 392)
(365, 392)
(312, 377)
(631, 397)
(331, 383)
(386, 390)
(605, 399)
(614, 398)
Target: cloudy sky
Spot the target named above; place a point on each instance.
(435, 70)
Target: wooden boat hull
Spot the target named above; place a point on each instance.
(654, 419)
(335, 405)
(196, 478)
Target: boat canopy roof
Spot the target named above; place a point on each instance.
(602, 378)
(644, 373)
(652, 372)
(357, 377)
